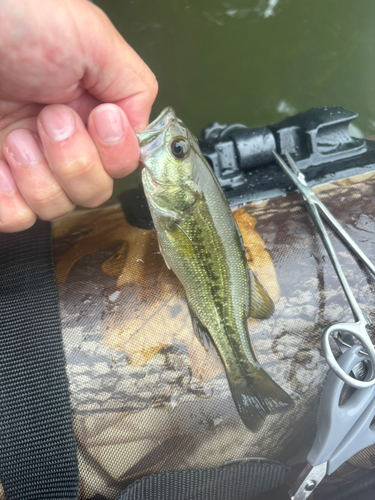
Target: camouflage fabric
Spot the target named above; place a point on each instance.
(146, 395)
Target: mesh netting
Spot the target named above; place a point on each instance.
(146, 395)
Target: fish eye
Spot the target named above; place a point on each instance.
(179, 148)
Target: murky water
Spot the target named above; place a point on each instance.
(254, 61)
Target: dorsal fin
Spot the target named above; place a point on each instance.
(261, 305)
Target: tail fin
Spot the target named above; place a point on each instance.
(257, 397)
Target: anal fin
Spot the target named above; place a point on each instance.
(201, 331)
(261, 304)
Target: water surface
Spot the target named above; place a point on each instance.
(254, 61)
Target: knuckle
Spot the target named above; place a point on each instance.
(57, 213)
(99, 199)
(60, 215)
(100, 12)
(118, 170)
(43, 197)
(153, 87)
(51, 204)
(81, 167)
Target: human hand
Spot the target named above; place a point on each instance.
(60, 59)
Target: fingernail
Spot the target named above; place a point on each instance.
(109, 123)
(7, 184)
(22, 145)
(58, 122)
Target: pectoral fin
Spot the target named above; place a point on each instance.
(163, 254)
(200, 331)
(184, 232)
(261, 305)
(181, 240)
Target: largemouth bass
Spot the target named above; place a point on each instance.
(200, 241)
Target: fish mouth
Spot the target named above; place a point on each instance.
(151, 139)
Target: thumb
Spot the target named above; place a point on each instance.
(113, 71)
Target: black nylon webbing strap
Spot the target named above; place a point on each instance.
(359, 489)
(243, 481)
(38, 458)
